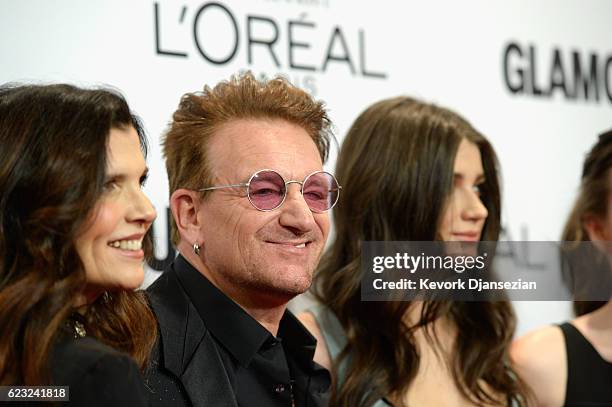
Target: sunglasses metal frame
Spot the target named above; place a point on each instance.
(248, 183)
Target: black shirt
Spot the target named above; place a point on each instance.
(96, 374)
(589, 376)
(262, 369)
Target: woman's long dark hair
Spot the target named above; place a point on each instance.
(591, 201)
(53, 141)
(396, 169)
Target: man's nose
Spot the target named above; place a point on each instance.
(295, 213)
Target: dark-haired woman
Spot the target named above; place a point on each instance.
(571, 364)
(412, 171)
(73, 222)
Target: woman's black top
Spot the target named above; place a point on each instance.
(97, 375)
(589, 376)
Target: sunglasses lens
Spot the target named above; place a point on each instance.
(321, 191)
(266, 190)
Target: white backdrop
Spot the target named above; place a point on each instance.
(541, 119)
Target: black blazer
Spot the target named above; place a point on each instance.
(97, 375)
(186, 368)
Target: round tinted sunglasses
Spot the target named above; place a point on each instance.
(267, 190)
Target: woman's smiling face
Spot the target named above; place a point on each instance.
(111, 246)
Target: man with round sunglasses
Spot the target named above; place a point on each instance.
(250, 203)
(267, 190)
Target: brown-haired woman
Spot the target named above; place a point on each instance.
(412, 171)
(571, 364)
(73, 218)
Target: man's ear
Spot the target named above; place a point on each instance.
(185, 204)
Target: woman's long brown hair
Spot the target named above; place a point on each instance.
(591, 201)
(396, 170)
(53, 142)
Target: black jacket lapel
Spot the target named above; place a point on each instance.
(187, 349)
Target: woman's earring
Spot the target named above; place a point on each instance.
(196, 249)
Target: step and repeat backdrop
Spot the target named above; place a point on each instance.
(534, 77)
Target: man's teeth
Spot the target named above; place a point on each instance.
(126, 244)
(302, 245)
